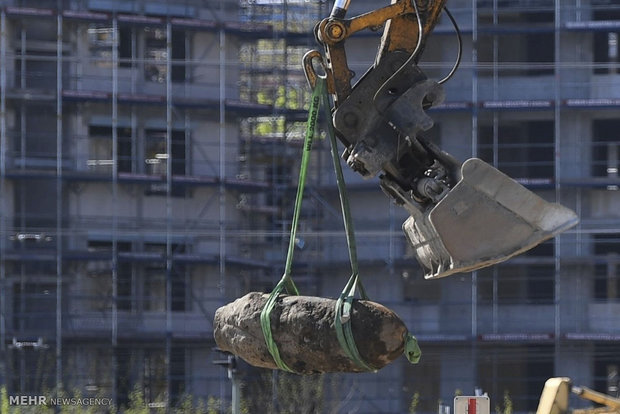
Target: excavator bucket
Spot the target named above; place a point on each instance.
(486, 218)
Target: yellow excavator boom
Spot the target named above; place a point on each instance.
(555, 396)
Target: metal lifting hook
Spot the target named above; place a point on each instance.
(308, 61)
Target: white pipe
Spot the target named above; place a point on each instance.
(222, 161)
(114, 202)
(3, 235)
(59, 203)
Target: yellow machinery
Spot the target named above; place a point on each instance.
(556, 393)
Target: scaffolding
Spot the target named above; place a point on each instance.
(116, 164)
(148, 160)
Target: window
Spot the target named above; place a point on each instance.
(517, 284)
(101, 271)
(179, 54)
(605, 147)
(419, 290)
(154, 375)
(157, 158)
(156, 153)
(125, 368)
(606, 56)
(177, 373)
(101, 44)
(606, 366)
(34, 307)
(100, 149)
(525, 46)
(101, 41)
(521, 149)
(33, 219)
(519, 371)
(278, 175)
(258, 81)
(508, 283)
(38, 141)
(125, 41)
(31, 370)
(607, 268)
(39, 70)
(156, 55)
(155, 280)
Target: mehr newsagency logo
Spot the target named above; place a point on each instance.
(57, 401)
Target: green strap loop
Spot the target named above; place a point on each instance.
(286, 283)
(412, 350)
(266, 323)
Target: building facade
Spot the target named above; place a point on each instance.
(148, 166)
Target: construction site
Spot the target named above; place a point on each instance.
(149, 160)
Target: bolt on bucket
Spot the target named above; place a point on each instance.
(486, 218)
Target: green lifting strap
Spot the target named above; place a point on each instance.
(286, 283)
(342, 320)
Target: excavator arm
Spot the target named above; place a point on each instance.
(402, 33)
(556, 393)
(463, 216)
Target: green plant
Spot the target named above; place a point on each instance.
(185, 405)
(415, 401)
(213, 405)
(506, 407)
(137, 405)
(279, 392)
(4, 400)
(300, 393)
